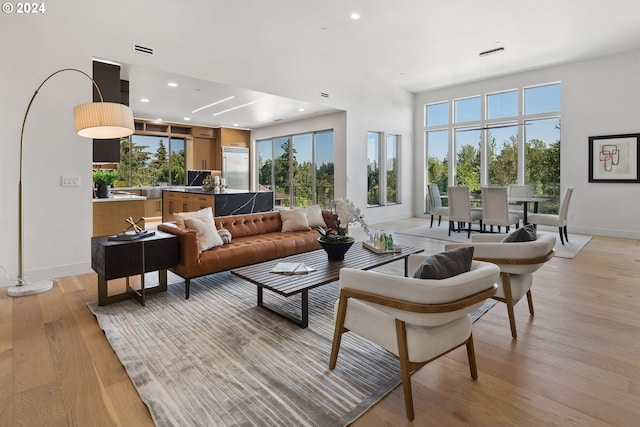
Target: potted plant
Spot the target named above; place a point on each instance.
(336, 242)
(103, 180)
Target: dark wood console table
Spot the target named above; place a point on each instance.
(116, 259)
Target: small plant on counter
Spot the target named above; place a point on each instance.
(104, 177)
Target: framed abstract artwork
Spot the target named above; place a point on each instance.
(614, 158)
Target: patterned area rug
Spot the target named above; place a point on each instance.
(218, 359)
(568, 250)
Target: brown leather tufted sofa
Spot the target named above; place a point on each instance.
(255, 238)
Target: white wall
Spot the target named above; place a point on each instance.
(599, 97)
(202, 39)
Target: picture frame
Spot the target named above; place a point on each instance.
(614, 158)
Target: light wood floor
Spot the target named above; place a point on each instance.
(576, 363)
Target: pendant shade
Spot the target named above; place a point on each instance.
(103, 120)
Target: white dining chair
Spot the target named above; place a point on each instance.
(495, 209)
(435, 201)
(519, 192)
(559, 220)
(460, 209)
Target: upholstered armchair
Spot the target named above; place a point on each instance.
(517, 261)
(417, 320)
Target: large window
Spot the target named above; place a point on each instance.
(382, 169)
(500, 138)
(151, 160)
(299, 168)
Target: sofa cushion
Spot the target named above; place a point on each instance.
(524, 234)
(208, 236)
(446, 264)
(314, 216)
(180, 216)
(294, 220)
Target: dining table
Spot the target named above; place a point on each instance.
(525, 202)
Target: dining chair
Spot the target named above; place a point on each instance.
(559, 220)
(460, 209)
(416, 320)
(519, 192)
(435, 203)
(495, 209)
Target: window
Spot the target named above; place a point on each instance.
(151, 160)
(513, 138)
(382, 168)
(467, 110)
(391, 167)
(298, 167)
(373, 169)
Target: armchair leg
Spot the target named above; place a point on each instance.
(337, 333)
(431, 226)
(439, 220)
(530, 302)
(405, 370)
(471, 355)
(508, 296)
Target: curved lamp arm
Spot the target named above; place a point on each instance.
(99, 120)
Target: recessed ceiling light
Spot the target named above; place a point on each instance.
(187, 118)
(158, 120)
(300, 109)
(144, 99)
(236, 124)
(355, 16)
(212, 104)
(235, 108)
(172, 84)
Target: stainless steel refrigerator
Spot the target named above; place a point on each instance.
(235, 168)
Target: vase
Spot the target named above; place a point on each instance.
(335, 249)
(103, 191)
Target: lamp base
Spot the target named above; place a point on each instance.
(30, 288)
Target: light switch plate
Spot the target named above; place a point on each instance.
(70, 181)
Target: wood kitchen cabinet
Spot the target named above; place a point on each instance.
(203, 157)
(152, 208)
(179, 201)
(230, 137)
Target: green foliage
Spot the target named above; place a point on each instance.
(104, 177)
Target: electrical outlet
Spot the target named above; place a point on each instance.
(70, 181)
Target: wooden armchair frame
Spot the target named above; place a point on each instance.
(406, 366)
(506, 283)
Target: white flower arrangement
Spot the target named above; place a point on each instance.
(347, 214)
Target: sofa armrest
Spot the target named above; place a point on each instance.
(187, 243)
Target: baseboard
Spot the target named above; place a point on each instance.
(48, 273)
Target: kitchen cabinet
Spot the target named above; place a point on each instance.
(234, 137)
(203, 158)
(179, 201)
(152, 208)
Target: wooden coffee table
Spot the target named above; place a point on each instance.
(326, 272)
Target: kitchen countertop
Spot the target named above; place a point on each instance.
(120, 198)
(199, 190)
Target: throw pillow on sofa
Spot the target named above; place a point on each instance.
(294, 220)
(208, 236)
(202, 213)
(225, 235)
(315, 218)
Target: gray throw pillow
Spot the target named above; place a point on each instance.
(446, 264)
(225, 235)
(524, 234)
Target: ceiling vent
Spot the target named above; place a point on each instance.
(142, 49)
(324, 94)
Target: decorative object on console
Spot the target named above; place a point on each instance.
(135, 234)
(97, 120)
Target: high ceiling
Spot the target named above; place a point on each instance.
(414, 44)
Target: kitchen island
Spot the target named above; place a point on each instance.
(229, 202)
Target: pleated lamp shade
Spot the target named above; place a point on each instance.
(103, 120)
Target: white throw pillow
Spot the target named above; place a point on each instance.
(314, 216)
(208, 236)
(202, 213)
(294, 220)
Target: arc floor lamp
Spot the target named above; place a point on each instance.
(97, 120)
